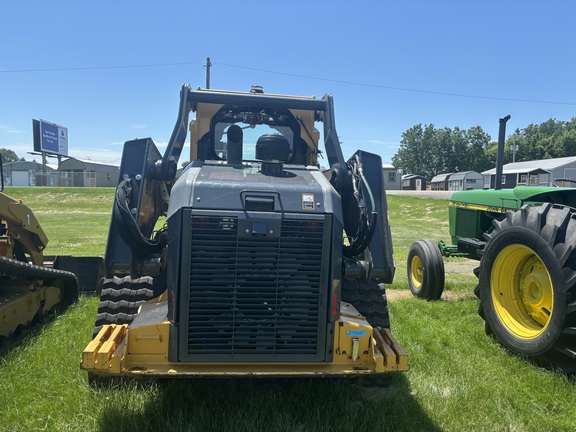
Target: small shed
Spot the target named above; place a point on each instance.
(87, 173)
(466, 180)
(413, 182)
(440, 182)
(392, 177)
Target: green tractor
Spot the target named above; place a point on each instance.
(525, 241)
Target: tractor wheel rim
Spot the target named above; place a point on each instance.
(522, 291)
(416, 271)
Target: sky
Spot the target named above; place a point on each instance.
(111, 71)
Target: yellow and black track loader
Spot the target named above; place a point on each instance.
(266, 265)
(29, 287)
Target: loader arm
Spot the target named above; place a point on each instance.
(20, 232)
(169, 163)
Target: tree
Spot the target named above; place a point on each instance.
(550, 139)
(9, 156)
(567, 143)
(478, 143)
(408, 157)
(459, 159)
(429, 151)
(442, 157)
(419, 152)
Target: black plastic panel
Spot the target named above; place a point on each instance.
(256, 289)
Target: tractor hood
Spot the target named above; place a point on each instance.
(515, 198)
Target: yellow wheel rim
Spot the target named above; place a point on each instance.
(522, 291)
(416, 271)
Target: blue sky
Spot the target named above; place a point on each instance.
(112, 71)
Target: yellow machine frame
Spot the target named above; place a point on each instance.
(20, 223)
(141, 351)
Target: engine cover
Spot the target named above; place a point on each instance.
(253, 271)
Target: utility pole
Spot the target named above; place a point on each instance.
(208, 66)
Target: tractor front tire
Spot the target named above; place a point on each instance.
(425, 270)
(527, 283)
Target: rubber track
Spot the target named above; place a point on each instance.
(122, 306)
(369, 299)
(31, 271)
(121, 298)
(15, 269)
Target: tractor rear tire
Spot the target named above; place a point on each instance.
(426, 270)
(527, 283)
(369, 298)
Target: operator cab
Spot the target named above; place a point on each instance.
(254, 125)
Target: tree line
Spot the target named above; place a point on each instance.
(428, 151)
(9, 156)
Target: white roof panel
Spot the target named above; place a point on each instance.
(529, 166)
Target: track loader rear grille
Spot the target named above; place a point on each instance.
(254, 295)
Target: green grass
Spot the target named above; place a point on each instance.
(413, 219)
(460, 380)
(75, 220)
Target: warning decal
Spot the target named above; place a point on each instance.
(307, 201)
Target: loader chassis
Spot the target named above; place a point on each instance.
(260, 250)
(29, 288)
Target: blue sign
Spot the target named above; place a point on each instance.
(50, 138)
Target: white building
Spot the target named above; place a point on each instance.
(533, 173)
(392, 177)
(88, 173)
(25, 173)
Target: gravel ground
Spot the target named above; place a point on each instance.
(422, 194)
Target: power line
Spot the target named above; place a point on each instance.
(461, 95)
(70, 69)
(345, 82)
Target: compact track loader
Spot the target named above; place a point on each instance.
(30, 288)
(264, 266)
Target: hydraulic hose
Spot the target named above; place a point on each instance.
(131, 233)
(366, 232)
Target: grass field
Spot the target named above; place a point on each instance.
(460, 380)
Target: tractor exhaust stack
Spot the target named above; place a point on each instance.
(500, 154)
